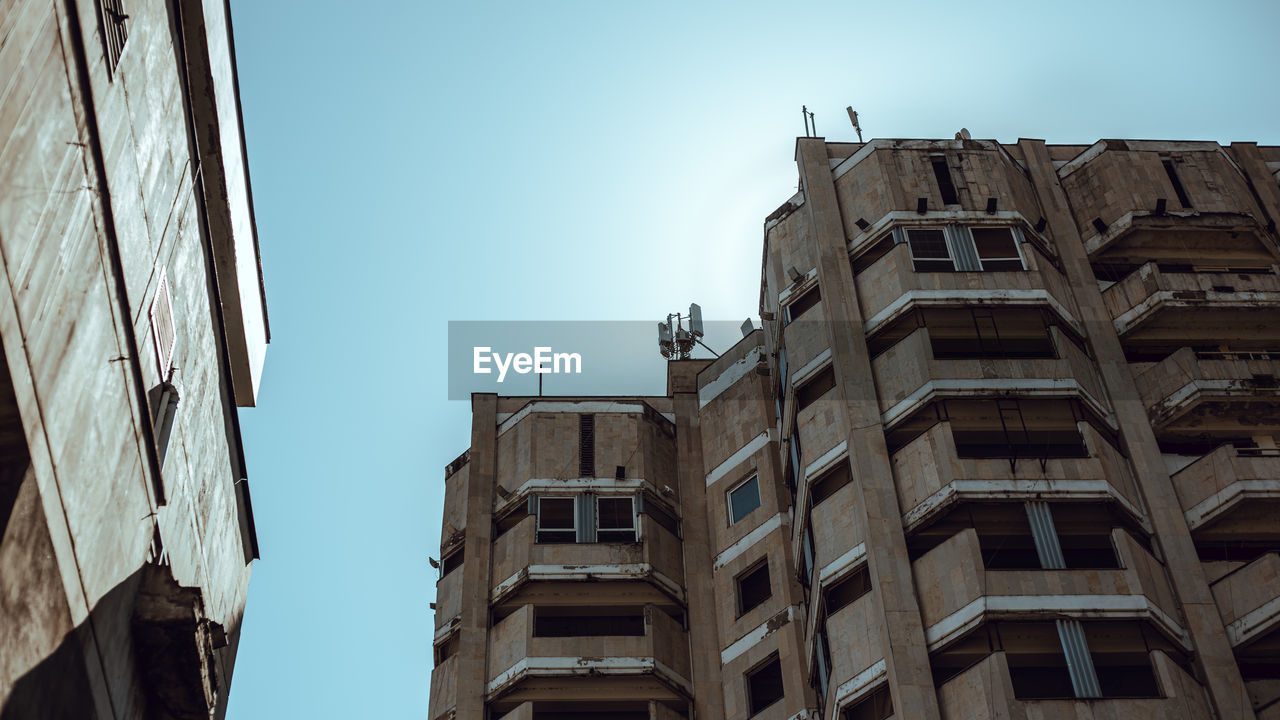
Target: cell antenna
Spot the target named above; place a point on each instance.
(679, 333)
(853, 118)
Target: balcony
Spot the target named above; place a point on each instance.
(931, 477)
(908, 376)
(1249, 599)
(444, 687)
(890, 286)
(957, 593)
(1153, 307)
(448, 598)
(652, 666)
(985, 692)
(657, 559)
(1210, 395)
(853, 633)
(1214, 489)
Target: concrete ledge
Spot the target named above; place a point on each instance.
(1255, 623)
(1046, 489)
(1026, 607)
(994, 387)
(757, 534)
(574, 666)
(759, 633)
(729, 377)
(1227, 498)
(583, 573)
(912, 298)
(742, 455)
(859, 686)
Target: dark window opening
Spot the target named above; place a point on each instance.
(1172, 172)
(557, 520)
(1010, 550)
(801, 305)
(806, 557)
(1037, 664)
(874, 253)
(876, 706)
(830, 482)
(753, 587)
(842, 593)
(615, 519)
(591, 710)
(744, 499)
(655, 512)
(946, 187)
(929, 250)
(815, 387)
(586, 446)
(115, 31)
(997, 248)
(451, 563)
(1003, 431)
(1088, 552)
(578, 621)
(447, 649)
(821, 676)
(956, 333)
(764, 685)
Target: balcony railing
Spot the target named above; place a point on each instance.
(883, 285)
(515, 654)
(985, 692)
(1249, 599)
(1150, 301)
(951, 579)
(1183, 380)
(931, 477)
(1216, 486)
(903, 371)
(658, 557)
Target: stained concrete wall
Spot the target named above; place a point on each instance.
(100, 202)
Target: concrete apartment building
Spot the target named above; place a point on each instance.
(133, 323)
(1005, 447)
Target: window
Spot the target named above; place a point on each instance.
(1027, 538)
(843, 592)
(586, 446)
(821, 661)
(448, 648)
(753, 587)
(743, 499)
(876, 706)
(997, 248)
(557, 520)
(800, 305)
(984, 332)
(615, 519)
(114, 31)
(1020, 429)
(815, 387)
(807, 558)
(929, 250)
(451, 562)
(764, 685)
(587, 621)
(960, 248)
(1071, 659)
(830, 482)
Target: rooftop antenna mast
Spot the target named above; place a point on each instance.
(675, 341)
(853, 118)
(810, 126)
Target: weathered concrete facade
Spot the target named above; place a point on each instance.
(133, 321)
(1005, 447)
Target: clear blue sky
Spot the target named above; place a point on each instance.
(416, 162)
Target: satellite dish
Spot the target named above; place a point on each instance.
(748, 327)
(964, 134)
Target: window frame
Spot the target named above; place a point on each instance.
(635, 524)
(573, 517)
(733, 517)
(772, 660)
(946, 244)
(752, 569)
(806, 299)
(1014, 236)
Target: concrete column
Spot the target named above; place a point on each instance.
(704, 635)
(901, 629)
(473, 640)
(1261, 182)
(1214, 660)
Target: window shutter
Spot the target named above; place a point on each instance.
(1084, 679)
(1045, 535)
(163, 333)
(637, 501)
(586, 507)
(962, 250)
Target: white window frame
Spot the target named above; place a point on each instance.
(946, 239)
(573, 516)
(635, 525)
(729, 497)
(1018, 239)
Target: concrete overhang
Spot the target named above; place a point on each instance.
(223, 172)
(1139, 235)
